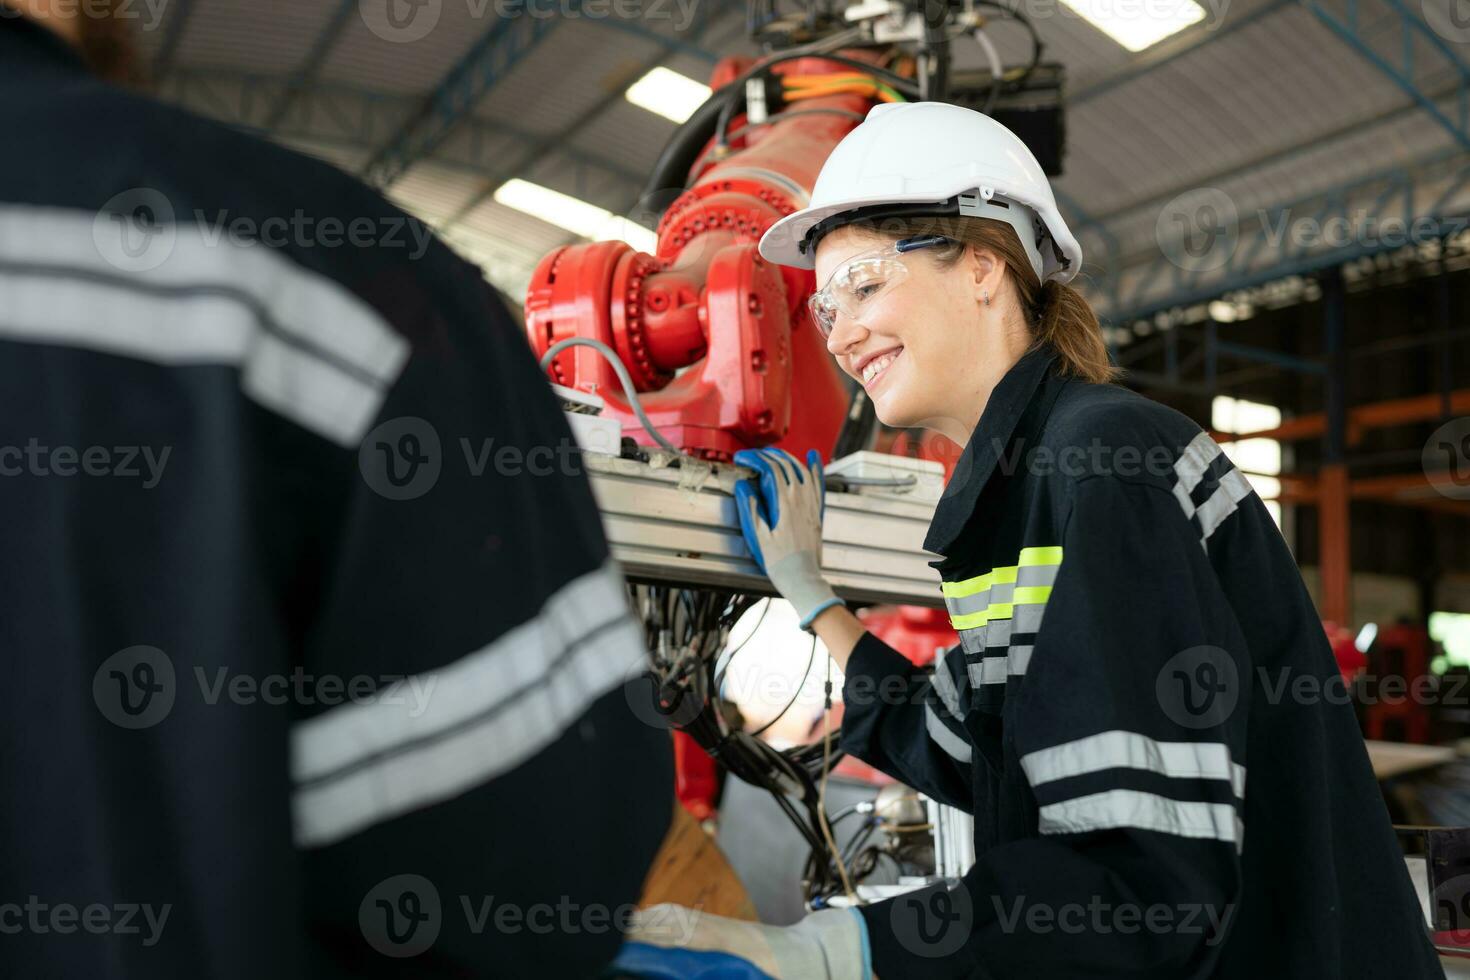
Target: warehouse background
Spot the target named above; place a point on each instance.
(1272, 201)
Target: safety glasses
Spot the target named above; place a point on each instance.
(861, 280)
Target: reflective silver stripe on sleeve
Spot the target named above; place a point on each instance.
(306, 347)
(973, 640)
(1129, 750)
(1195, 460)
(998, 634)
(964, 605)
(1033, 575)
(955, 747)
(1119, 808)
(1028, 617)
(1018, 659)
(989, 670)
(944, 685)
(1233, 488)
(993, 670)
(1190, 469)
(441, 733)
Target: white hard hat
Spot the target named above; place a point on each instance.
(930, 158)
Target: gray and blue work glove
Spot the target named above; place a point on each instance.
(781, 519)
(671, 942)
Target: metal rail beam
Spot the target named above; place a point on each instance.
(1366, 216)
(168, 50)
(488, 61)
(349, 116)
(310, 68)
(708, 15)
(503, 47)
(1168, 52)
(1401, 70)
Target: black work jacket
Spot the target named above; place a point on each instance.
(1135, 640)
(288, 676)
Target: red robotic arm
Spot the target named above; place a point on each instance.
(717, 339)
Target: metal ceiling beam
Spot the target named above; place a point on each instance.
(311, 66)
(707, 16)
(1348, 27)
(1272, 157)
(350, 116)
(1265, 247)
(1168, 52)
(488, 61)
(503, 47)
(168, 49)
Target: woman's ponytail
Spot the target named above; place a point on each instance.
(1065, 323)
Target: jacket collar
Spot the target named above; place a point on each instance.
(1003, 412)
(25, 42)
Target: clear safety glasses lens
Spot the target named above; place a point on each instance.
(854, 288)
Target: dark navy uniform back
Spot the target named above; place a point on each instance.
(295, 690)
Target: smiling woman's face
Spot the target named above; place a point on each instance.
(928, 350)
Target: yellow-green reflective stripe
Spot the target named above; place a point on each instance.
(970, 586)
(1029, 558)
(1040, 556)
(969, 620)
(1024, 596)
(1031, 593)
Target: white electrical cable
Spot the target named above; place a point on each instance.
(624, 378)
(997, 71)
(991, 55)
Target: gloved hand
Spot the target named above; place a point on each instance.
(671, 942)
(781, 519)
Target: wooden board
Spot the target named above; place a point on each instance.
(1392, 759)
(691, 870)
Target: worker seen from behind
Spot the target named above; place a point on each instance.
(293, 689)
(1152, 794)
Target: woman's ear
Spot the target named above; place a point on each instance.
(987, 271)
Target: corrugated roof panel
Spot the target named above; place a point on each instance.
(631, 135)
(563, 78)
(434, 193)
(267, 36)
(1269, 111)
(417, 56)
(1219, 108)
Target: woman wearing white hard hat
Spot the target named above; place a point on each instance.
(1128, 614)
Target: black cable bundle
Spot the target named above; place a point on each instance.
(686, 630)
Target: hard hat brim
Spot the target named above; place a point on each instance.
(781, 242)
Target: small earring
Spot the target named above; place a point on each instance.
(986, 296)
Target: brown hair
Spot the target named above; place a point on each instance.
(1056, 314)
